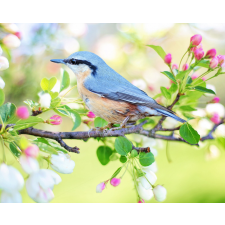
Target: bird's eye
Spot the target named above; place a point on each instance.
(73, 61)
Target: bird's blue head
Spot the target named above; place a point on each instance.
(82, 61)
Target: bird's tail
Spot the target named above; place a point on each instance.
(170, 114)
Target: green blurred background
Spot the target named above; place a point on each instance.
(191, 176)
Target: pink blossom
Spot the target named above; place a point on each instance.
(100, 187)
(141, 201)
(210, 53)
(185, 67)
(91, 115)
(174, 66)
(18, 34)
(57, 120)
(22, 112)
(115, 182)
(32, 151)
(196, 39)
(221, 59)
(203, 78)
(168, 58)
(216, 100)
(215, 118)
(194, 76)
(213, 63)
(199, 53)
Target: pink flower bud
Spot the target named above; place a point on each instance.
(213, 63)
(141, 201)
(91, 115)
(4, 63)
(32, 151)
(18, 34)
(196, 39)
(88, 121)
(151, 87)
(57, 120)
(216, 100)
(11, 41)
(215, 118)
(221, 59)
(203, 78)
(185, 67)
(100, 187)
(199, 53)
(174, 66)
(22, 112)
(115, 182)
(211, 53)
(194, 76)
(168, 58)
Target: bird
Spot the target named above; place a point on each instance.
(108, 94)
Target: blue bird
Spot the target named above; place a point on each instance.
(109, 95)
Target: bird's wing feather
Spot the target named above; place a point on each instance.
(117, 88)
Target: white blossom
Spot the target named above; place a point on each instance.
(11, 41)
(143, 193)
(4, 63)
(40, 185)
(153, 167)
(148, 180)
(45, 100)
(62, 163)
(215, 108)
(2, 83)
(220, 131)
(14, 197)
(159, 193)
(199, 112)
(56, 88)
(29, 164)
(10, 179)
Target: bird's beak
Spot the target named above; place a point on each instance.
(57, 60)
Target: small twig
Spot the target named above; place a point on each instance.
(64, 145)
(139, 149)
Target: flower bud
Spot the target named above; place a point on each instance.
(144, 193)
(11, 41)
(22, 112)
(4, 63)
(196, 40)
(14, 197)
(91, 115)
(18, 34)
(2, 83)
(174, 66)
(141, 201)
(29, 164)
(32, 151)
(216, 100)
(213, 63)
(100, 187)
(215, 118)
(168, 58)
(198, 53)
(115, 181)
(185, 67)
(211, 53)
(159, 193)
(148, 180)
(194, 76)
(45, 100)
(62, 163)
(221, 59)
(57, 120)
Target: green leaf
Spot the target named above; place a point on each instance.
(53, 94)
(15, 150)
(140, 173)
(170, 76)
(116, 172)
(75, 117)
(52, 144)
(173, 88)
(2, 97)
(103, 154)
(7, 111)
(157, 96)
(123, 159)
(182, 74)
(133, 153)
(204, 90)
(31, 103)
(29, 122)
(55, 102)
(65, 81)
(204, 63)
(47, 85)
(165, 93)
(146, 159)
(159, 50)
(122, 145)
(45, 147)
(114, 157)
(188, 133)
(99, 122)
(187, 108)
